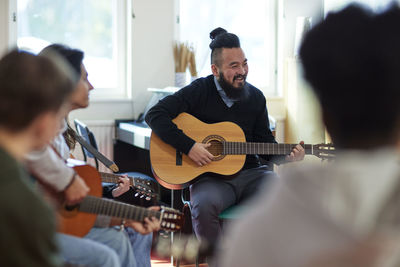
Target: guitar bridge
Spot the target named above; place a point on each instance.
(178, 158)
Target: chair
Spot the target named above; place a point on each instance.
(84, 131)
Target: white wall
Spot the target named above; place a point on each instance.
(289, 10)
(302, 111)
(293, 9)
(3, 26)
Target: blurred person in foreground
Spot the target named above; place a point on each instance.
(319, 214)
(105, 244)
(33, 90)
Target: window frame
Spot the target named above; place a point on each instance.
(123, 45)
(271, 90)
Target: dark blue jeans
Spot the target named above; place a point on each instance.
(209, 196)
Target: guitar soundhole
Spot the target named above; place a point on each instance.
(216, 148)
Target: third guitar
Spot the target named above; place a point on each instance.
(173, 169)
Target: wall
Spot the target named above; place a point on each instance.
(3, 26)
(303, 120)
(291, 10)
(302, 111)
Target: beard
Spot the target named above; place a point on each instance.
(234, 93)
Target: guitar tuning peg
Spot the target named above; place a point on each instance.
(148, 198)
(136, 194)
(141, 196)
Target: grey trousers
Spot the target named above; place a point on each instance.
(209, 196)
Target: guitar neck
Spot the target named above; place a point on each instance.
(248, 148)
(108, 207)
(114, 178)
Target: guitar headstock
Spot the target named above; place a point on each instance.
(144, 182)
(324, 151)
(145, 192)
(144, 188)
(171, 220)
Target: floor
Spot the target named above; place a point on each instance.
(163, 248)
(158, 262)
(165, 263)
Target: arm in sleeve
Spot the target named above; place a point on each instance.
(27, 227)
(50, 168)
(107, 190)
(160, 117)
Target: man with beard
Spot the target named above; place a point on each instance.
(223, 96)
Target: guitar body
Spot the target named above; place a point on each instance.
(78, 220)
(228, 145)
(174, 173)
(74, 222)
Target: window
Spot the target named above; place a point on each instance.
(253, 21)
(98, 27)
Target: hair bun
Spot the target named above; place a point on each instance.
(217, 32)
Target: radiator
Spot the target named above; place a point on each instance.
(104, 132)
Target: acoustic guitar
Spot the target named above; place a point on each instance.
(143, 188)
(79, 219)
(228, 145)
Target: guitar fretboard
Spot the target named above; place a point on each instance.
(108, 207)
(114, 178)
(242, 148)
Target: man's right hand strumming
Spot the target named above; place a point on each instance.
(76, 191)
(199, 154)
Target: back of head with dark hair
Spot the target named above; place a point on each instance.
(29, 86)
(352, 61)
(221, 39)
(73, 56)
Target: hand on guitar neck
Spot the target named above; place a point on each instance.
(123, 186)
(148, 226)
(201, 156)
(297, 153)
